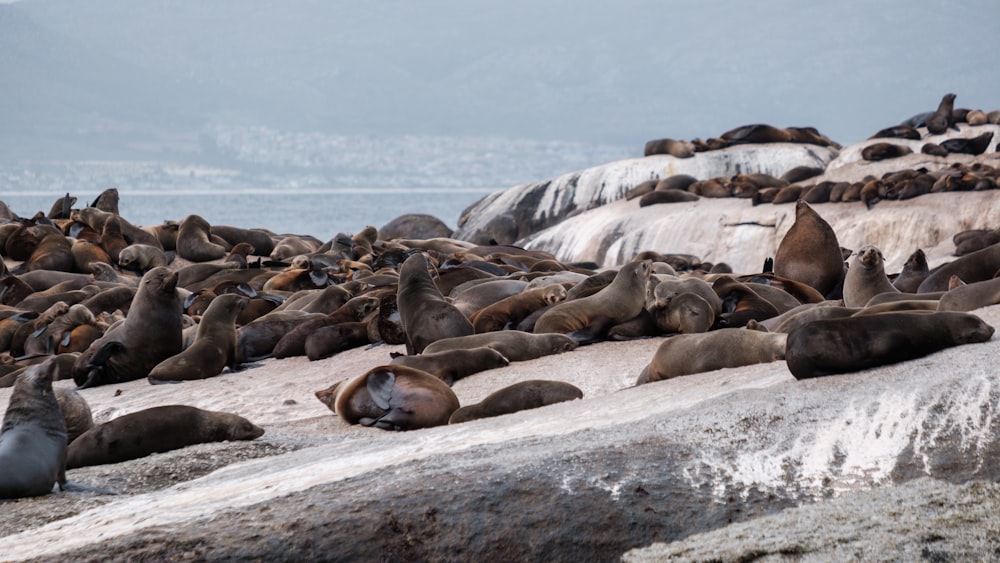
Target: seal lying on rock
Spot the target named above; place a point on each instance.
(844, 345)
(524, 395)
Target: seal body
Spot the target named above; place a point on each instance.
(425, 315)
(392, 398)
(515, 345)
(844, 345)
(524, 395)
(214, 346)
(150, 334)
(809, 252)
(33, 437)
(866, 277)
(452, 365)
(154, 430)
(686, 354)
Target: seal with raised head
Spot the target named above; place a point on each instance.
(424, 312)
(33, 437)
(515, 345)
(809, 252)
(587, 318)
(844, 345)
(939, 121)
(156, 430)
(866, 277)
(149, 334)
(524, 395)
(686, 354)
(214, 346)
(452, 365)
(392, 398)
(914, 271)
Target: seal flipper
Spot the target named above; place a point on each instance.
(594, 332)
(380, 385)
(96, 364)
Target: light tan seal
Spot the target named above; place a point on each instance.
(686, 354)
(214, 346)
(515, 345)
(452, 365)
(866, 277)
(585, 319)
(524, 395)
(510, 311)
(392, 398)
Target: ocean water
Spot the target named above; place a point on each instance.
(318, 212)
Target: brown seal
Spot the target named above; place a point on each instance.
(914, 272)
(866, 277)
(510, 311)
(141, 257)
(685, 354)
(686, 313)
(392, 398)
(424, 312)
(524, 395)
(587, 318)
(76, 412)
(667, 196)
(973, 267)
(33, 437)
(86, 253)
(256, 340)
(452, 365)
(970, 296)
(194, 241)
(678, 149)
(757, 133)
(941, 120)
(809, 252)
(293, 343)
(515, 345)
(329, 340)
(112, 238)
(473, 296)
(214, 346)
(150, 334)
(156, 430)
(54, 252)
(845, 345)
(741, 304)
(884, 151)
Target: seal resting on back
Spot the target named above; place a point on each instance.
(844, 345)
(154, 430)
(587, 317)
(392, 398)
(33, 437)
(150, 334)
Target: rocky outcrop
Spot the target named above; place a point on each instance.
(588, 479)
(518, 212)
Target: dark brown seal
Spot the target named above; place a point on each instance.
(424, 312)
(941, 120)
(853, 344)
(155, 430)
(33, 437)
(524, 395)
(214, 346)
(915, 270)
(809, 252)
(392, 398)
(452, 365)
(515, 345)
(150, 334)
(679, 149)
(884, 151)
(973, 267)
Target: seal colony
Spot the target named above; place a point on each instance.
(356, 284)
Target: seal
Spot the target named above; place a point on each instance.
(257, 339)
(33, 437)
(515, 345)
(971, 296)
(866, 277)
(330, 340)
(510, 311)
(356, 309)
(939, 121)
(150, 334)
(141, 257)
(687, 313)
(741, 304)
(424, 312)
(844, 345)
(76, 412)
(587, 318)
(913, 273)
(678, 149)
(112, 237)
(686, 354)
(809, 252)
(973, 267)
(392, 398)
(156, 430)
(524, 395)
(54, 252)
(884, 151)
(452, 365)
(667, 196)
(214, 346)
(478, 294)
(194, 241)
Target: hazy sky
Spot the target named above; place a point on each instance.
(617, 72)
